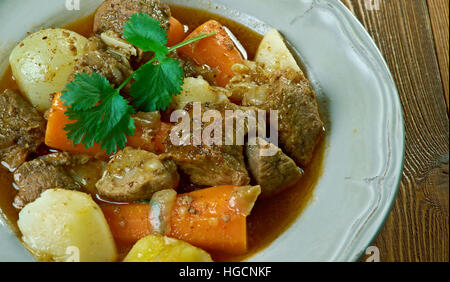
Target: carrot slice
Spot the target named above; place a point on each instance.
(176, 32)
(214, 219)
(217, 51)
(128, 223)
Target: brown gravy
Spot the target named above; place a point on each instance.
(270, 217)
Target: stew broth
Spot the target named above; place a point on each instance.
(269, 218)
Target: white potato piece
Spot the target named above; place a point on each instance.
(198, 90)
(274, 54)
(66, 225)
(43, 62)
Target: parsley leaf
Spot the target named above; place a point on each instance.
(113, 131)
(101, 115)
(85, 91)
(155, 84)
(146, 33)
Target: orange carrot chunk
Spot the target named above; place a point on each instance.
(217, 51)
(128, 223)
(214, 219)
(176, 32)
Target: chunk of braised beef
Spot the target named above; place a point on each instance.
(272, 169)
(113, 14)
(98, 58)
(210, 164)
(45, 172)
(134, 174)
(56, 170)
(289, 93)
(22, 129)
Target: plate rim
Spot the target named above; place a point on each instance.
(395, 95)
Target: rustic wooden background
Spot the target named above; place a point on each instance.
(413, 36)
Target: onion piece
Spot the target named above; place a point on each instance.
(161, 206)
(117, 44)
(243, 199)
(237, 43)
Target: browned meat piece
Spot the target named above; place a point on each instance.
(289, 92)
(113, 14)
(134, 174)
(57, 170)
(210, 165)
(116, 68)
(300, 126)
(271, 168)
(22, 129)
(86, 171)
(40, 174)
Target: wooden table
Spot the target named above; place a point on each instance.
(413, 36)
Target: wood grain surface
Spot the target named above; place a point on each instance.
(413, 36)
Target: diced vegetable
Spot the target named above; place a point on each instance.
(129, 222)
(198, 90)
(157, 248)
(217, 51)
(64, 225)
(176, 32)
(43, 62)
(55, 135)
(161, 206)
(214, 218)
(117, 44)
(274, 54)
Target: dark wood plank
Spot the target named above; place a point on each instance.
(418, 226)
(439, 16)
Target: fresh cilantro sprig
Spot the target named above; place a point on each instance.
(100, 113)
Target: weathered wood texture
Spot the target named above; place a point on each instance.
(413, 36)
(439, 21)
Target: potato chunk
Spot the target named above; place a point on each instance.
(156, 248)
(274, 54)
(43, 62)
(65, 225)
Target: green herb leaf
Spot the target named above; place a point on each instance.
(113, 131)
(101, 115)
(155, 84)
(85, 91)
(146, 33)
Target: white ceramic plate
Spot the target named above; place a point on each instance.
(365, 141)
